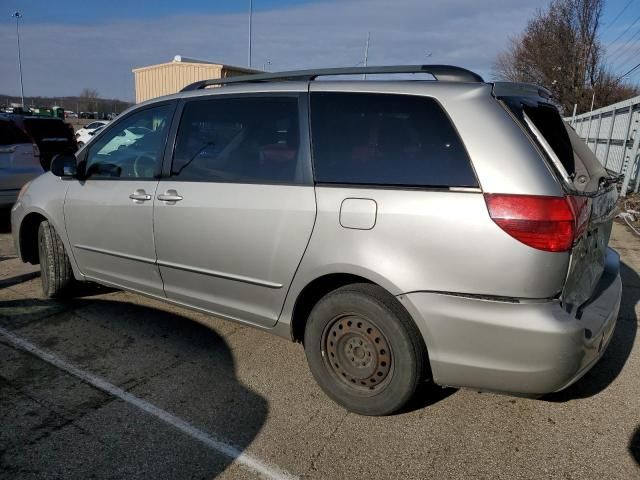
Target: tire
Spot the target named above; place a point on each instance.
(55, 270)
(364, 350)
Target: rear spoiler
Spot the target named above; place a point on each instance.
(513, 89)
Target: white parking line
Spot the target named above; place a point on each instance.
(262, 468)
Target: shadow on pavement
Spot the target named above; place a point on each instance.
(634, 446)
(426, 395)
(165, 358)
(8, 282)
(614, 359)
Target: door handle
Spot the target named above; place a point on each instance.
(140, 196)
(170, 196)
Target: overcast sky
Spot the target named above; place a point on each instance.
(72, 44)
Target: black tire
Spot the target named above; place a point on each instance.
(55, 270)
(364, 350)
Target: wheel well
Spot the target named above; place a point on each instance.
(313, 292)
(29, 238)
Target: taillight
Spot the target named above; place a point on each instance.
(551, 224)
(581, 207)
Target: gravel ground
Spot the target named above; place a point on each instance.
(248, 389)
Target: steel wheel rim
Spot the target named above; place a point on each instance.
(357, 353)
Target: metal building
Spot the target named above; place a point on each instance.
(166, 78)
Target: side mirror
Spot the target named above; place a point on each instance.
(64, 165)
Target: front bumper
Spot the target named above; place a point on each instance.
(518, 347)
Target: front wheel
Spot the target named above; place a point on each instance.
(55, 270)
(364, 350)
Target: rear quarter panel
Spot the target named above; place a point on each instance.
(423, 240)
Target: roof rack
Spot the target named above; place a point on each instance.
(439, 72)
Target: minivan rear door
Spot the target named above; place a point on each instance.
(236, 205)
(581, 175)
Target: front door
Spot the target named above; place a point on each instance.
(109, 213)
(234, 216)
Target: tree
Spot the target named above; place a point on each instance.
(560, 50)
(89, 100)
(89, 93)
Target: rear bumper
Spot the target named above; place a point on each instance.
(528, 348)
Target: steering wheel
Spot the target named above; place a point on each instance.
(142, 164)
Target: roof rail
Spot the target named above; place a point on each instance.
(439, 72)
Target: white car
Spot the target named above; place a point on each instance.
(86, 133)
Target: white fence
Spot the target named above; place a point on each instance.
(613, 134)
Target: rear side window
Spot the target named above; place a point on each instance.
(11, 134)
(240, 140)
(381, 139)
(48, 130)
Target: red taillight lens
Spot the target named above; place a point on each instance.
(581, 207)
(545, 223)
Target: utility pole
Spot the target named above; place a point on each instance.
(366, 54)
(250, 22)
(18, 16)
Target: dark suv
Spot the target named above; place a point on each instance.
(52, 135)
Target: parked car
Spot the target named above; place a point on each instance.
(52, 135)
(19, 161)
(451, 230)
(86, 133)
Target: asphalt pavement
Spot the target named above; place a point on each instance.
(114, 385)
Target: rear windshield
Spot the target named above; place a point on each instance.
(386, 139)
(547, 120)
(11, 134)
(44, 129)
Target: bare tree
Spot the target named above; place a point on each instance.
(89, 100)
(89, 93)
(560, 49)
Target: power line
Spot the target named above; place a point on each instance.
(631, 57)
(617, 16)
(630, 71)
(618, 52)
(628, 28)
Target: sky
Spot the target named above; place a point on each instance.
(68, 45)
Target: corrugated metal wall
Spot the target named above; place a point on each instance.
(168, 78)
(613, 134)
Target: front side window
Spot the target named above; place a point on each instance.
(239, 140)
(133, 148)
(386, 139)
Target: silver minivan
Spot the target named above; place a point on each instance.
(445, 230)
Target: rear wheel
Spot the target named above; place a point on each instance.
(364, 350)
(55, 270)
